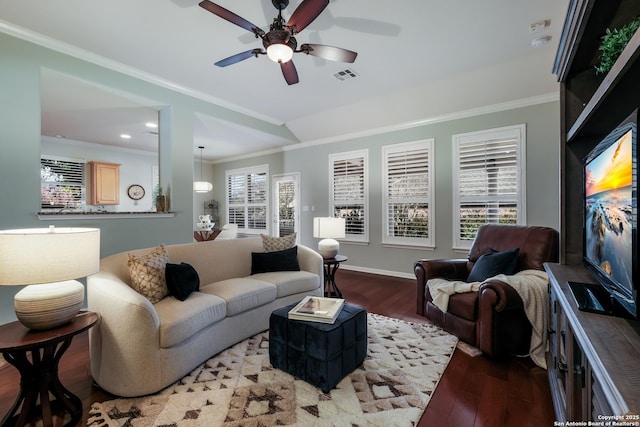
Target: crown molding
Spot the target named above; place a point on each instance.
(85, 55)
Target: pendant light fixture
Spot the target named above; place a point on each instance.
(202, 186)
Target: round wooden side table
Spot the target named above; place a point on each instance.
(36, 355)
(331, 265)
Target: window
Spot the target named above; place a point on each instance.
(408, 200)
(247, 198)
(348, 198)
(489, 184)
(62, 184)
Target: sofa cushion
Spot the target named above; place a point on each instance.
(242, 294)
(285, 260)
(148, 273)
(290, 282)
(182, 280)
(179, 321)
(492, 263)
(272, 244)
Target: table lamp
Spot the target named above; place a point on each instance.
(328, 229)
(47, 259)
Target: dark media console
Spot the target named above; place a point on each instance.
(593, 360)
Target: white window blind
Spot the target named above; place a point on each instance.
(348, 183)
(62, 184)
(408, 201)
(247, 199)
(489, 180)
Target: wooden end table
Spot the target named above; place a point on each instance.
(205, 236)
(331, 265)
(36, 355)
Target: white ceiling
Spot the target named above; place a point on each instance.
(416, 59)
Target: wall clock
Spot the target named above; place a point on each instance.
(135, 192)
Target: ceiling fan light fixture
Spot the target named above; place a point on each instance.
(280, 52)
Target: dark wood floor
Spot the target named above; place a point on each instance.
(473, 392)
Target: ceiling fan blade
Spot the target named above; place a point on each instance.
(238, 57)
(329, 52)
(306, 13)
(231, 17)
(290, 73)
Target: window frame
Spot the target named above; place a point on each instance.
(426, 146)
(515, 133)
(246, 205)
(364, 202)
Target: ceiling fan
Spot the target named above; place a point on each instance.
(279, 43)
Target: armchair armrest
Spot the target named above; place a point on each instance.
(502, 324)
(499, 296)
(425, 269)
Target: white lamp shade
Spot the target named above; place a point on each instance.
(279, 52)
(331, 228)
(44, 255)
(202, 186)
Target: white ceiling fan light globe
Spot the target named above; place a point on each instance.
(279, 52)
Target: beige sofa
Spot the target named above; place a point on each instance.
(139, 348)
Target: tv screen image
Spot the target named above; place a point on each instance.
(609, 211)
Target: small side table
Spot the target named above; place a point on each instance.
(39, 372)
(331, 265)
(205, 236)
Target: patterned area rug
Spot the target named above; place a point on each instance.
(238, 387)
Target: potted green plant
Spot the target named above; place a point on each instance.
(614, 43)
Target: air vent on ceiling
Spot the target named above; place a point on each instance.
(346, 74)
(153, 132)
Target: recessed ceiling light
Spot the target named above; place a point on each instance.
(125, 136)
(151, 125)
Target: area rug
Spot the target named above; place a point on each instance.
(238, 387)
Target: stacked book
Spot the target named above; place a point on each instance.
(317, 309)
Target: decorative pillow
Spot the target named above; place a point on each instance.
(264, 262)
(492, 263)
(148, 274)
(182, 280)
(272, 244)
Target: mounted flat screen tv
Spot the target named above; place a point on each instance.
(610, 239)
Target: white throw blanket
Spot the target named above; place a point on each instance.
(531, 285)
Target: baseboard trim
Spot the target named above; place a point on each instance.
(399, 274)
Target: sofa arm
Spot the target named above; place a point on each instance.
(310, 261)
(425, 269)
(128, 333)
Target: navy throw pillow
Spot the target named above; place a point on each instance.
(492, 263)
(182, 280)
(285, 260)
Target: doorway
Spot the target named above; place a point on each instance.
(286, 200)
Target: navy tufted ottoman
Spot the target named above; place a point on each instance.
(319, 353)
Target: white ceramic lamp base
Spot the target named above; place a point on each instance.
(49, 305)
(328, 248)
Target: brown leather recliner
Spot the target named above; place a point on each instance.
(492, 319)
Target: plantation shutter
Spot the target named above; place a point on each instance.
(407, 195)
(62, 184)
(247, 196)
(489, 184)
(349, 193)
